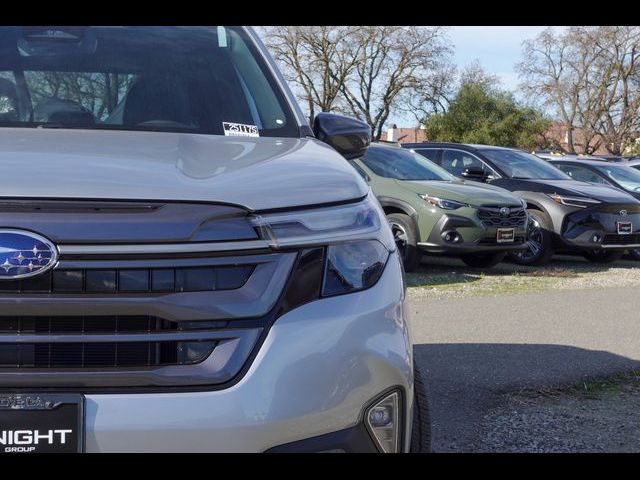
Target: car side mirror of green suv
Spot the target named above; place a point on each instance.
(350, 137)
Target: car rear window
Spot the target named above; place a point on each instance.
(185, 79)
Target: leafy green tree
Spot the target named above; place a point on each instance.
(482, 114)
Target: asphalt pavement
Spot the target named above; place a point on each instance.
(474, 349)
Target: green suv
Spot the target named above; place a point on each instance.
(432, 211)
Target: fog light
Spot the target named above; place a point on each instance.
(451, 236)
(596, 238)
(383, 422)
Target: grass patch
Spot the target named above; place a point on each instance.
(587, 388)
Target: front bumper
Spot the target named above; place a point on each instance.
(597, 229)
(319, 367)
(475, 237)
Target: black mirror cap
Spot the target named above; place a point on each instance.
(350, 137)
(474, 172)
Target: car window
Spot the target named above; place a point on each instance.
(457, 161)
(430, 153)
(522, 166)
(628, 178)
(194, 79)
(581, 174)
(402, 164)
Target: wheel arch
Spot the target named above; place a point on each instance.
(394, 205)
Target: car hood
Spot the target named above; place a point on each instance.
(473, 193)
(603, 193)
(256, 173)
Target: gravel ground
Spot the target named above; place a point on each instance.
(441, 277)
(604, 418)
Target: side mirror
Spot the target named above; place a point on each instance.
(350, 137)
(475, 173)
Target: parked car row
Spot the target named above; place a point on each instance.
(482, 203)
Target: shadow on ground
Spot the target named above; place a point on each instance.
(464, 381)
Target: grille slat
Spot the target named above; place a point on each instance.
(133, 281)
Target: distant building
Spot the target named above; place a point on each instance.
(557, 135)
(405, 135)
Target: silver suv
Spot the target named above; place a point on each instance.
(185, 264)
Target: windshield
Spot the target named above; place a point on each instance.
(524, 166)
(628, 178)
(402, 164)
(184, 79)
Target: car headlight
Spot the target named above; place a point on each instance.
(356, 238)
(580, 202)
(443, 203)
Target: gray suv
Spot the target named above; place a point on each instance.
(185, 264)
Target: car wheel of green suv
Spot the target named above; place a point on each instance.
(483, 260)
(603, 256)
(421, 425)
(406, 239)
(539, 238)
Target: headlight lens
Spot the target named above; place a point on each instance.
(443, 203)
(322, 226)
(353, 266)
(580, 202)
(357, 241)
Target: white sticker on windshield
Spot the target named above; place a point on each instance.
(240, 130)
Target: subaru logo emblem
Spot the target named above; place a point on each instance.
(25, 254)
(504, 211)
(623, 213)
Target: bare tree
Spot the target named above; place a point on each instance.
(394, 63)
(315, 59)
(365, 71)
(616, 84)
(591, 77)
(553, 70)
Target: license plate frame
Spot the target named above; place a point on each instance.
(624, 228)
(46, 422)
(505, 235)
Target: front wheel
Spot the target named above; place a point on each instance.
(603, 256)
(421, 424)
(483, 260)
(539, 239)
(406, 238)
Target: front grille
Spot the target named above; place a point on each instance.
(144, 280)
(491, 217)
(67, 354)
(96, 355)
(615, 239)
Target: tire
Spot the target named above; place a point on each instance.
(635, 254)
(406, 237)
(483, 260)
(603, 256)
(540, 239)
(421, 427)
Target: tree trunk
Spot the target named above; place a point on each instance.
(570, 147)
